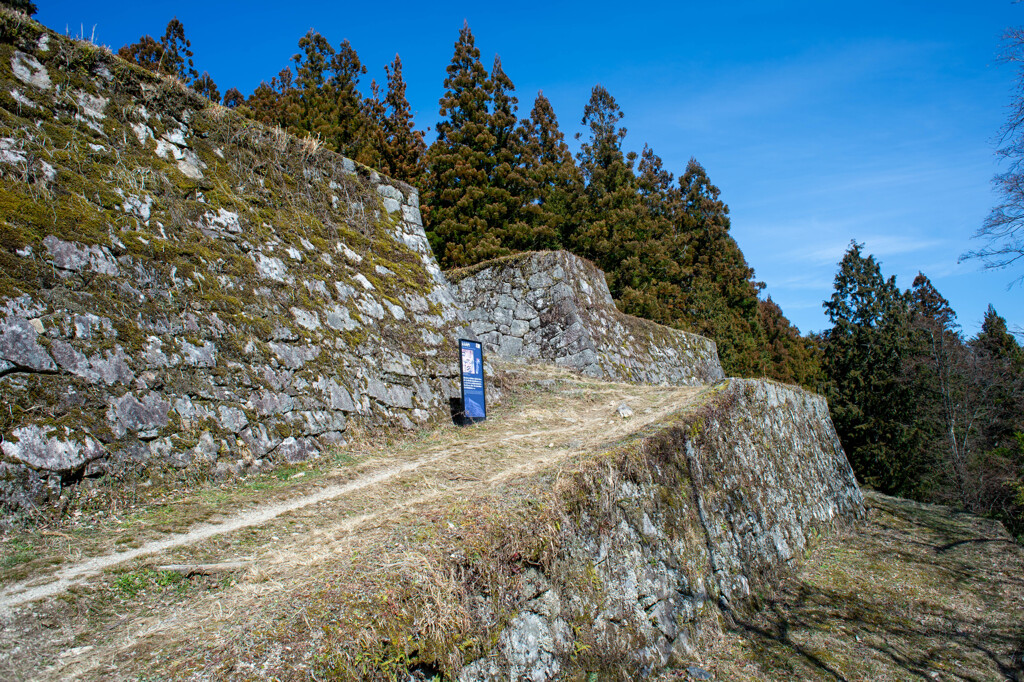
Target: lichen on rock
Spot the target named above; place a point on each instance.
(53, 450)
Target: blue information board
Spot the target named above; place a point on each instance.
(471, 359)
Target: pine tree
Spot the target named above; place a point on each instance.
(791, 358)
(352, 130)
(23, 6)
(721, 298)
(176, 59)
(507, 187)
(146, 53)
(1002, 360)
(276, 102)
(321, 99)
(612, 211)
(872, 406)
(651, 269)
(370, 149)
(994, 338)
(553, 181)
(171, 56)
(999, 461)
(403, 150)
(949, 398)
(205, 86)
(459, 163)
(311, 97)
(264, 103)
(233, 98)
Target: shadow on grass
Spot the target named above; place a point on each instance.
(914, 593)
(959, 543)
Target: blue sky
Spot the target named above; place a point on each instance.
(820, 122)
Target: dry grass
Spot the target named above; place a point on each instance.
(919, 592)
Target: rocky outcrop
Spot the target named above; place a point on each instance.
(182, 287)
(662, 538)
(555, 306)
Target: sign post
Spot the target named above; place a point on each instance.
(474, 401)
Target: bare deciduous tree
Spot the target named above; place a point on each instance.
(1003, 229)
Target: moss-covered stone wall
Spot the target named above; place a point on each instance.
(651, 547)
(608, 565)
(180, 286)
(556, 306)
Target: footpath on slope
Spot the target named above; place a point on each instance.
(111, 614)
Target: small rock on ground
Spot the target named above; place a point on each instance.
(698, 673)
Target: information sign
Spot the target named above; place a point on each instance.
(474, 402)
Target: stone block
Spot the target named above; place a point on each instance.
(73, 257)
(390, 192)
(293, 450)
(510, 347)
(519, 328)
(199, 356)
(145, 416)
(525, 311)
(53, 449)
(232, 419)
(19, 346)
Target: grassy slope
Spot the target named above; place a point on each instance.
(919, 592)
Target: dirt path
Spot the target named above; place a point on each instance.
(283, 541)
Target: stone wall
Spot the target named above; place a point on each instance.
(664, 537)
(182, 287)
(555, 306)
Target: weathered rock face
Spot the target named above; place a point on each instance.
(658, 539)
(555, 306)
(179, 285)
